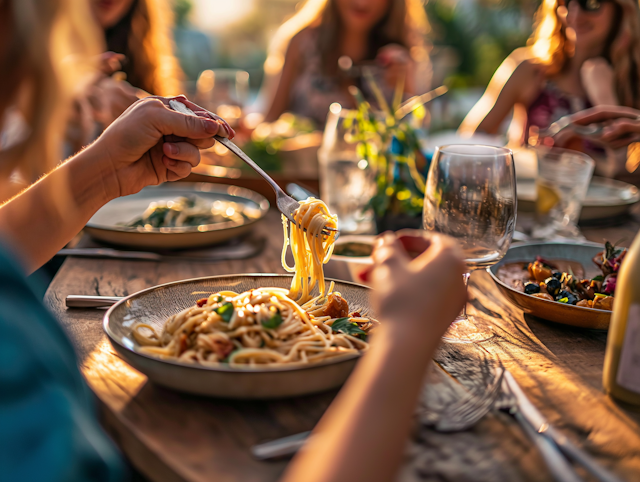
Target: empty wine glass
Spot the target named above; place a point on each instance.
(471, 196)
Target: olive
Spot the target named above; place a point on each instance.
(558, 275)
(531, 287)
(571, 298)
(553, 286)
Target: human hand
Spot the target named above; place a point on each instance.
(134, 150)
(110, 62)
(396, 62)
(109, 98)
(621, 124)
(421, 295)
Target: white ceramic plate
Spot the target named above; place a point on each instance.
(107, 224)
(605, 197)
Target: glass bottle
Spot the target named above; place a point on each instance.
(621, 375)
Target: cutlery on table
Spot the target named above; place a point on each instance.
(286, 204)
(241, 251)
(553, 446)
(91, 301)
(460, 416)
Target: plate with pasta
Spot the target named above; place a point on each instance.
(251, 335)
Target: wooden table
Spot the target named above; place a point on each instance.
(169, 436)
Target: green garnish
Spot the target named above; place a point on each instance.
(225, 311)
(598, 278)
(600, 295)
(274, 322)
(563, 300)
(347, 327)
(219, 299)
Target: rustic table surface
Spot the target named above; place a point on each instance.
(170, 436)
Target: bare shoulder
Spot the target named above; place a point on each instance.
(301, 41)
(524, 66)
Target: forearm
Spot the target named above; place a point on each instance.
(372, 415)
(46, 216)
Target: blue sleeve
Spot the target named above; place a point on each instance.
(48, 430)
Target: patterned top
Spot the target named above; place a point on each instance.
(551, 105)
(313, 91)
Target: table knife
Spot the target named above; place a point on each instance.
(544, 431)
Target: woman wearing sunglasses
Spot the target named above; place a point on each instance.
(583, 53)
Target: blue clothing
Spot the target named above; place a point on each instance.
(48, 427)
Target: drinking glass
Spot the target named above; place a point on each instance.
(561, 186)
(471, 196)
(346, 182)
(223, 91)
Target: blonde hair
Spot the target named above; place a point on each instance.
(54, 44)
(153, 66)
(549, 45)
(406, 24)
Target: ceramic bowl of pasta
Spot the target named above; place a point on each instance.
(178, 215)
(242, 336)
(572, 284)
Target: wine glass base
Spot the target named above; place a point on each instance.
(462, 330)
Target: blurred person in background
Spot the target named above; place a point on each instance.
(141, 31)
(138, 61)
(583, 53)
(322, 50)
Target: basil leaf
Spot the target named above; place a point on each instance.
(343, 325)
(598, 278)
(563, 300)
(219, 299)
(225, 311)
(274, 322)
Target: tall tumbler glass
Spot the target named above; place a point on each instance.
(561, 187)
(471, 196)
(347, 183)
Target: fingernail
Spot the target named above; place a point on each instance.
(225, 127)
(172, 163)
(211, 126)
(171, 148)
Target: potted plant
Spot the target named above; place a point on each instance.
(389, 141)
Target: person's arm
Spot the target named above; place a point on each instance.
(516, 81)
(598, 80)
(129, 155)
(363, 434)
(280, 100)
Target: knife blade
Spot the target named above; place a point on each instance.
(543, 428)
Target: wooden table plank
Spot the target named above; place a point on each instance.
(176, 437)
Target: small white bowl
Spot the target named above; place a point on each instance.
(357, 266)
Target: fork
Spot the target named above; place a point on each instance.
(286, 204)
(460, 416)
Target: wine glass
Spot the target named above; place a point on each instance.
(471, 196)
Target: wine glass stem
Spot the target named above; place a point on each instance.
(463, 314)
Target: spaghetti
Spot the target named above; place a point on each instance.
(265, 326)
(310, 249)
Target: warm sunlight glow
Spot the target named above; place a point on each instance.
(218, 15)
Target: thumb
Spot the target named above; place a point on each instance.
(389, 251)
(170, 122)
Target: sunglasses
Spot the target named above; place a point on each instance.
(587, 5)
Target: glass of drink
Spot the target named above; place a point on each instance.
(471, 196)
(223, 91)
(346, 181)
(561, 186)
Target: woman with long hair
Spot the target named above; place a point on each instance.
(326, 46)
(583, 53)
(141, 30)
